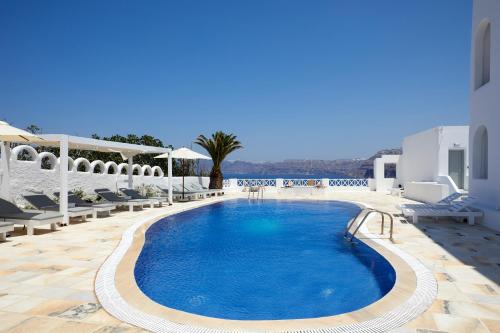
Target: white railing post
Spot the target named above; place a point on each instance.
(325, 182)
(279, 182)
(233, 183)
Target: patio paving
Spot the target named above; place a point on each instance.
(47, 280)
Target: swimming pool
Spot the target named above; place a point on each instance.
(265, 260)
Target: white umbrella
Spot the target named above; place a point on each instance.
(12, 134)
(184, 154)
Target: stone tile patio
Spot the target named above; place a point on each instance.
(47, 280)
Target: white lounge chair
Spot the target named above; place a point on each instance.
(97, 208)
(44, 203)
(111, 197)
(443, 203)
(133, 194)
(196, 187)
(5, 227)
(461, 208)
(13, 214)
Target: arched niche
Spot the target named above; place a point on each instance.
(136, 170)
(157, 171)
(111, 168)
(48, 161)
(123, 169)
(24, 153)
(482, 54)
(480, 153)
(98, 167)
(147, 170)
(81, 165)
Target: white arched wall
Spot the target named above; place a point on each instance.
(28, 177)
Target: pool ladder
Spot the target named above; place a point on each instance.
(252, 190)
(368, 212)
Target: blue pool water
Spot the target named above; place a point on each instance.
(267, 260)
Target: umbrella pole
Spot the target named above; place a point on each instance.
(183, 174)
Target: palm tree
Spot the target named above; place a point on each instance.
(218, 147)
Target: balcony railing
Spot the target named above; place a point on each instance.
(297, 182)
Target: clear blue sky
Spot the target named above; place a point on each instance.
(293, 79)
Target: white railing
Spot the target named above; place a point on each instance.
(301, 182)
(297, 182)
(348, 182)
(256, 182)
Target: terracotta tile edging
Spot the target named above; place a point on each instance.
(115, 287)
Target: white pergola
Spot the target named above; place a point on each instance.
(127, 150)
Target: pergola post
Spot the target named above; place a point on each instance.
(63, 170)
(169, 172)
(130, 172)
(5, 191)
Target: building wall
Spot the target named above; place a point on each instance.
(485, 110)
(425, 154)
(420, 157)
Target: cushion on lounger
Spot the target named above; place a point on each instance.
(41, 201)
(8, 207)
(132, 193)
(31, 216)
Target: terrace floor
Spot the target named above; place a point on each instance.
(47, 280)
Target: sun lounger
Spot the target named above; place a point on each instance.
(177, 193)
(196, 187)
(13, 214)
(44, 203)
(443, 203)
(460, 208)
(96, 207)
(189, 193)
(133, 194)
(111, 197)
(5, 227)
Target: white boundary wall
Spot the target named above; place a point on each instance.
(28, 177)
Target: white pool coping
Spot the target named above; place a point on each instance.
(111, 300)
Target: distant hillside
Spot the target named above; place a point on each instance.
(355, 168)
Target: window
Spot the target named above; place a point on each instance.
(480, 158)
(390, 170)
(482, 54)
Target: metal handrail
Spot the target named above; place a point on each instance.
(369, 211)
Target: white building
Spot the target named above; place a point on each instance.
(433, 165)
(485, 109)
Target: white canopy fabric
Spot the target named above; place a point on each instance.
(12, 134)
(185, 154)
(125, 149)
